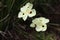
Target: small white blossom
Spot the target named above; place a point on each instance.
(40, 24)
(27, 11)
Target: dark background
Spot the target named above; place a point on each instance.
(14, 28)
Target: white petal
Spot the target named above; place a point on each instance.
(29, 5)
(23, 9)
(44, 28)
(26, 8)
(25, 17)
(33, 13)
(43, 20)
(36, 21)
(32, 25)
(47, 20)
(20, 15)
(38, 28)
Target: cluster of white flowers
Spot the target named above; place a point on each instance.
(39, 23)
(26, 11)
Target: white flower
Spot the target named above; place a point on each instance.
(40, 24)
(27, 11)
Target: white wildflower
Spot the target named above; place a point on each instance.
(27, 11)
(40, 24)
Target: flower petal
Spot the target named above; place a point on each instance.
(25, 17)
(36, 21)
(33, 13)
(23, 9)
(38, 28)
(44, 28)
(27, 7)
(32, 25)
(43, 20)
(46, 20)
(20, 15)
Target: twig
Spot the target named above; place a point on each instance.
(10, 34)
(4, 18)
(11, 6)
(3, 34)
(54, 24)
